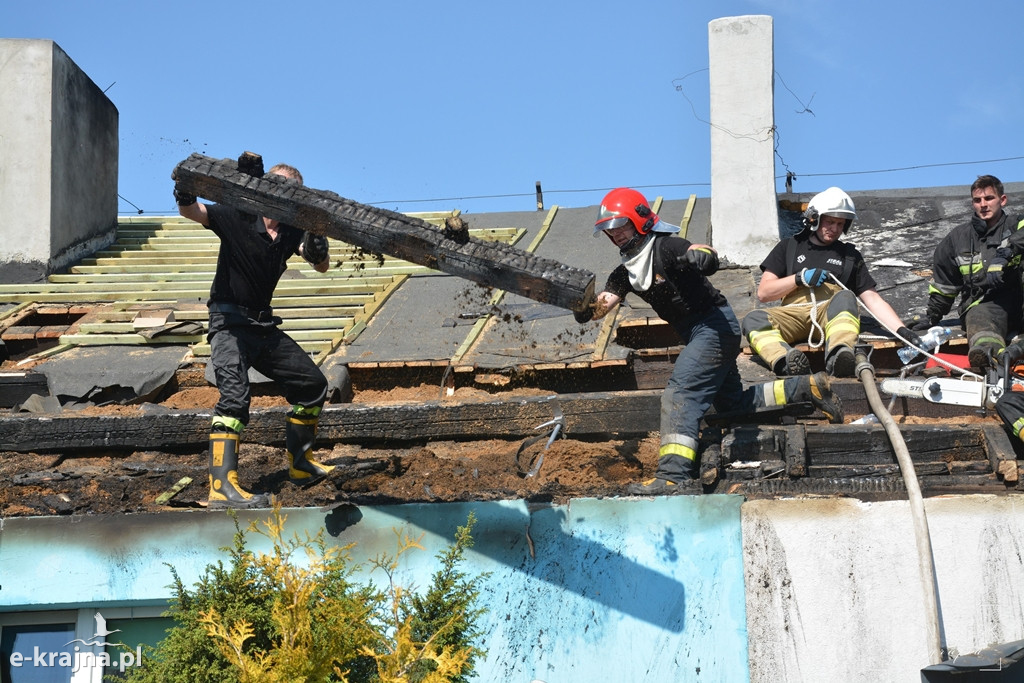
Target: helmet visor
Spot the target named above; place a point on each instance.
(611, 223)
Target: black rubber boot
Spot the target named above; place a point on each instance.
(299, 435)
(841, 362)
(225, 492)
(795, 362)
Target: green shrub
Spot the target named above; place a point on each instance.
(295, 614)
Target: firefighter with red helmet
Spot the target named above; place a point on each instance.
(671, 274)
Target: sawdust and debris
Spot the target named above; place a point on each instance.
(98, 483)
(126, 482)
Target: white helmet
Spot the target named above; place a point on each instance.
(831, 202)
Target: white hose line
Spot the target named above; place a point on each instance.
(929, 354)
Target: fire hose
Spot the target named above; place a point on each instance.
(926, 562)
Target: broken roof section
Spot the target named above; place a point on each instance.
(152, 284)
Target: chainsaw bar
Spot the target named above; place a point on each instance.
(911, 388)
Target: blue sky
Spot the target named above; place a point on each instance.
(432, 106)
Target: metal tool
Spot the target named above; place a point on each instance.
(558, 424)
(947, 390)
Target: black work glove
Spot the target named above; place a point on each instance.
(910, 336)
(812, 277)
(994, 274)
(704, 260)
(1014, 352)
(586, 313)
(183, 197)
(314, 248)
(923, 325)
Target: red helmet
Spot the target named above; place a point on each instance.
(622, 206)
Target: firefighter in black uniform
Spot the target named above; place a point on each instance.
(670, 273)
(980, 262)
(797, 271)
(244, 333)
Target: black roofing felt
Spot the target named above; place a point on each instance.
(430, 316)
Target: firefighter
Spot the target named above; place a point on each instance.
(1010, 406)
(980, 262)
(244, 333)
(814, 308)
(671, 274)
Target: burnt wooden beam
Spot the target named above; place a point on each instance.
(710, 465)
(796, 451)
(17, 387)
(859, 445)
(1001, 452)
(865, 488)
(381, 231)
(586, 416)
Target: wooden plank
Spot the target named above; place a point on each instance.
(605, 334)
(294, 314)
(111, 280)
(1001, 452)
(586, 415)
(331, 325)
(795, 450)
(386, 232)
(860, 445)
(314, 347)
(173, 491)
(129, 339)
(180, 290)
(684, 224)
(921, 469)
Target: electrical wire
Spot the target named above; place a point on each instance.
(513, 195)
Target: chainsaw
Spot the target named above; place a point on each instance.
(979, 392)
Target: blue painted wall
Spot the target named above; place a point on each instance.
(612, 589)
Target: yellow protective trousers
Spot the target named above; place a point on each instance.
(771, 332)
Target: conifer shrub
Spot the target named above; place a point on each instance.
(297, 614)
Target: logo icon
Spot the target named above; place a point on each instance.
(98, 637)
(78, 659)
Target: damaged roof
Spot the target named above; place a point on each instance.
(439, 384)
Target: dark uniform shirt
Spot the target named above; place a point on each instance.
(249, 263)
(832, 257)
(678, 290)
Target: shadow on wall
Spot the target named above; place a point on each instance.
(627, 562)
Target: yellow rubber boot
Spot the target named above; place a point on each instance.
(300, 433)
(225, 491)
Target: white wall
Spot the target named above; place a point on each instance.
(58, 179)
(744, 212)
(834, 591)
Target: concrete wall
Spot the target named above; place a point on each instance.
(609, 590)
(744, 211)
(834, 591)
(58, 179)
(704, 588)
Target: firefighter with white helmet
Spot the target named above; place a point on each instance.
(818, 278)
(671, 274)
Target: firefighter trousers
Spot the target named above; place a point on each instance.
(772, 331)
(236, 347)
